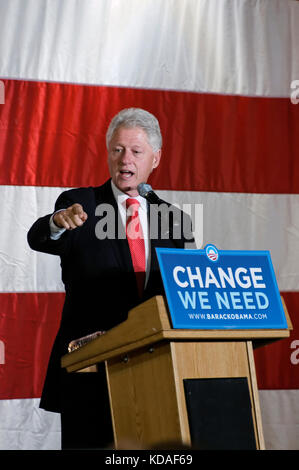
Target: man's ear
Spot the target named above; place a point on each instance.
(157, 158)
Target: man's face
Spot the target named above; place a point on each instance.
(131, 159)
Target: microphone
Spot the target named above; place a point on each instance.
(145, 190)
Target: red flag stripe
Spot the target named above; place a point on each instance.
(28, 325)
(29, 322)
(277, 363)
(54, 135)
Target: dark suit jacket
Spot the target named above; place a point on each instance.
(99, 281)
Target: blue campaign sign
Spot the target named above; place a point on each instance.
(221, 289)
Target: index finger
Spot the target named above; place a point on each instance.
(77, 209)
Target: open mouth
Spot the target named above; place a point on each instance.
(126, 174)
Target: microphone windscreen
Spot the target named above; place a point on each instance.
(143, 189)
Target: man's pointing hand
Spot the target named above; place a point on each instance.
(70, 218)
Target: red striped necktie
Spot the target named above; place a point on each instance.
(136, 242)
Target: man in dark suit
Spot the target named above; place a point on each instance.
(99, 272)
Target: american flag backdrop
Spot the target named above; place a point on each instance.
(222, 76)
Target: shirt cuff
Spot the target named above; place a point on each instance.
(55, 232)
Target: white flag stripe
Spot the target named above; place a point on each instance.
(230, 221)
(24, 426)
(21, 268)
(280, 417)
(227, 47)
(238, 221)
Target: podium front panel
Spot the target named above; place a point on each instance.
(219, 414)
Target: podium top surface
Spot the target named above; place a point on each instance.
(148, 324)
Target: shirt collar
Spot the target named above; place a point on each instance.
(121, 197)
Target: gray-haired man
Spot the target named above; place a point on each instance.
(99, 273)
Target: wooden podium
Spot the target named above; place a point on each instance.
(172, 387)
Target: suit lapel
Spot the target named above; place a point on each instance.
(120, 250)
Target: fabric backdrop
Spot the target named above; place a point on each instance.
(222, 78)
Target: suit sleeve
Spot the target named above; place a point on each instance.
(187, 235)
(182, 229)
(39, 234)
